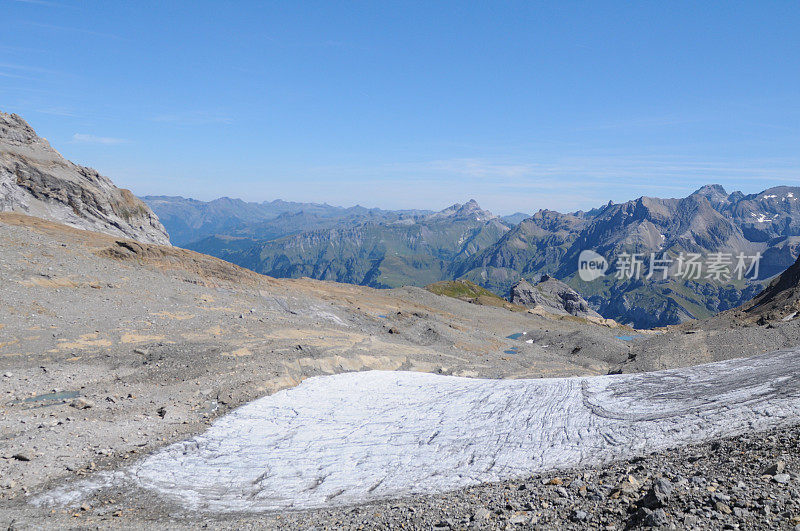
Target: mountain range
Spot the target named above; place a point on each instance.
(190, 220)
(393, 248)
(386, 249)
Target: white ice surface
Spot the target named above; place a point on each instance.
(363, 436)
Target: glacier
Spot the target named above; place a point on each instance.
(359, 437)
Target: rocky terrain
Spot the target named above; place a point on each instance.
(36, 180)
(120, 358)
(111, 348)
(89, 386)
(768, 321)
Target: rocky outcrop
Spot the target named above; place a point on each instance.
(36, 180)
(780, 300)
(551, 295)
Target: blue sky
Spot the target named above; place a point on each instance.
(522, 106)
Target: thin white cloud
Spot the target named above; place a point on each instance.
(79, 138)
(479, 168)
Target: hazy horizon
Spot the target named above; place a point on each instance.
(445, 206)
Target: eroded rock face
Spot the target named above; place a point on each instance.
(553, 296)
(36, 180)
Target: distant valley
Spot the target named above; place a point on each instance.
(387, 249)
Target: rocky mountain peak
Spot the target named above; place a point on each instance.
(15, 130)
(469, 210)
(714, 193)
(711, 189)
(472, 209)
(36, 180)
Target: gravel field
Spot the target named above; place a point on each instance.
(746, 482)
